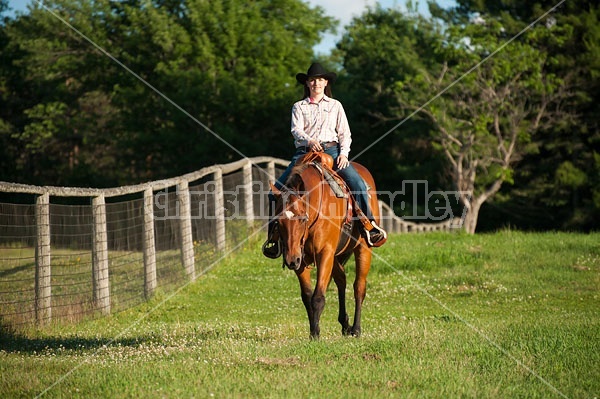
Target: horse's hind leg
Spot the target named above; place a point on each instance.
(339, 276)
(362, 257)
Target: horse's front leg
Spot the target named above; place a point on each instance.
(306, 292)
(362, 256)
(339, 276)
(324, 263)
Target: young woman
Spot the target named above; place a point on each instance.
(319, 123)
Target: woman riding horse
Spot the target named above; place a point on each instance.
(316, 228)
(319, 123)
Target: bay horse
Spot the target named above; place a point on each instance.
(315, 229)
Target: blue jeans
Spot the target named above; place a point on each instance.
(356, 183)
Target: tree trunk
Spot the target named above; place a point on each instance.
(470, 223)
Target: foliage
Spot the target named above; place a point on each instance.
(487, 94)
(80, 117)
(539, 198)
(380, 50)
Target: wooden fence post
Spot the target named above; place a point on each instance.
(387, 215)
(219, 211)
(148, 246)
(43, 287)
(400, 226)
(185, 227)
(271, 171)
(272, 179)
(248, 200)
(100, 279)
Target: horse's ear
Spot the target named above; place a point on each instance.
(276, 192)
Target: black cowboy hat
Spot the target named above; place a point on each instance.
(316, 70)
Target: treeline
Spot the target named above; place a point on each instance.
(107, 93)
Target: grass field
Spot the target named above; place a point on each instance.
(504, 315)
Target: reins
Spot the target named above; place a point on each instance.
(308, 207)
(306, 200)
(320, 204)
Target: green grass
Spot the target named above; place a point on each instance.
(505, 315)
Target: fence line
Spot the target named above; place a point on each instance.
(173, 227)
(395, 224)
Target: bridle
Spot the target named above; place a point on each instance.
(305, 217)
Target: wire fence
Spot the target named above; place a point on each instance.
(75, 252)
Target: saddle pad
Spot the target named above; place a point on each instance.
(337, 185)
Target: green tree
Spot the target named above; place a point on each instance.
(379, 49)
(81, 118)
(545, 194)
(9, 75)
(487, 118)
(483, 120)
(60, 97)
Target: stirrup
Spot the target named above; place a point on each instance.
(375, 237)
(272, 249)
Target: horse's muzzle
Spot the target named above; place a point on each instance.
(292, 261)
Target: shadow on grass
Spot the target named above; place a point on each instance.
(12, 341)
(17, 269)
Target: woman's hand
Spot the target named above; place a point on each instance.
(314, 145)
(342, 162)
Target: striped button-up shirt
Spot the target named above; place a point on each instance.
(322, 121)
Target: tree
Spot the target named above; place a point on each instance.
(487, 118)
(555, 186)
(79, 118)
(8, 77)
(380, 48)
(482, 120)
(60, 97)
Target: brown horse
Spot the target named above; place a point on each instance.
(317, 228)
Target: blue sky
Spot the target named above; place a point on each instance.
(18, 5)
(343, 10)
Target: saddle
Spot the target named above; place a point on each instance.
(324, 162)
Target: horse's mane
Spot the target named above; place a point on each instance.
(295, 181)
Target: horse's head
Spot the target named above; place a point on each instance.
(292, 216)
